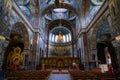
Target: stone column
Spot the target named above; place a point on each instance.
(84, 50)
(35, 50)
(47, 44)
(72, 46)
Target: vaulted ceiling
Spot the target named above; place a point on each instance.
(62, 12)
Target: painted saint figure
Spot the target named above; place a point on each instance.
(60, 37)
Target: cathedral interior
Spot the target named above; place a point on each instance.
(59, 39)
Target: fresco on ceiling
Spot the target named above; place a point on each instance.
(25, 7)
(26, 11)
(8, 7)
(103, 31)
(94, 7)
(22, 2)
(70, 2)
(14, 17)
(60, 15)
(18, 29)
(5, 12)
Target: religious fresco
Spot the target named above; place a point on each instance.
(112, 8)
(26, 11)
(94, 7)
(18, 29)
(103, 31)
(25, 7)
(22, 2)
(60, 13)
(72, 3)
(8, 7)
(14, 17)
(5, 12)
(100, 31)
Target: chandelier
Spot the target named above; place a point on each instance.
(57, 3)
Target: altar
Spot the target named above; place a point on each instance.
(59, 62)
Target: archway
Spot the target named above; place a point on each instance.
(20, 28)
(66, 24)
(18, 42)
(100, 33)
(106, 50)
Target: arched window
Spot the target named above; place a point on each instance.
(64, 38)
(56, 37)
(50, 37)
(53, 38)
(67, 38)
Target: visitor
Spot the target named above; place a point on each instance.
(110, 69)
(74, 65)
(60, 70)
(109, 60)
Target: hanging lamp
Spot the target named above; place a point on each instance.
(69, 1)
(62, 1)
(56, 3)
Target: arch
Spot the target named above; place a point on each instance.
(67, 6)
(111, 50)
(52, 24)
(25, 34)
(67, 24)
(99, 27)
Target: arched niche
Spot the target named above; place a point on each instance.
(20, 28)
(67, 24)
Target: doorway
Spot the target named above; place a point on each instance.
(106, 53)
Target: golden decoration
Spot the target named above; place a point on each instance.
(8, 6)
(15, 58)
(60, 37)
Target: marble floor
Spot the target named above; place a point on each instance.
(59, 77)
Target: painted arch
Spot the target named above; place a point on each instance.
(21, 28)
